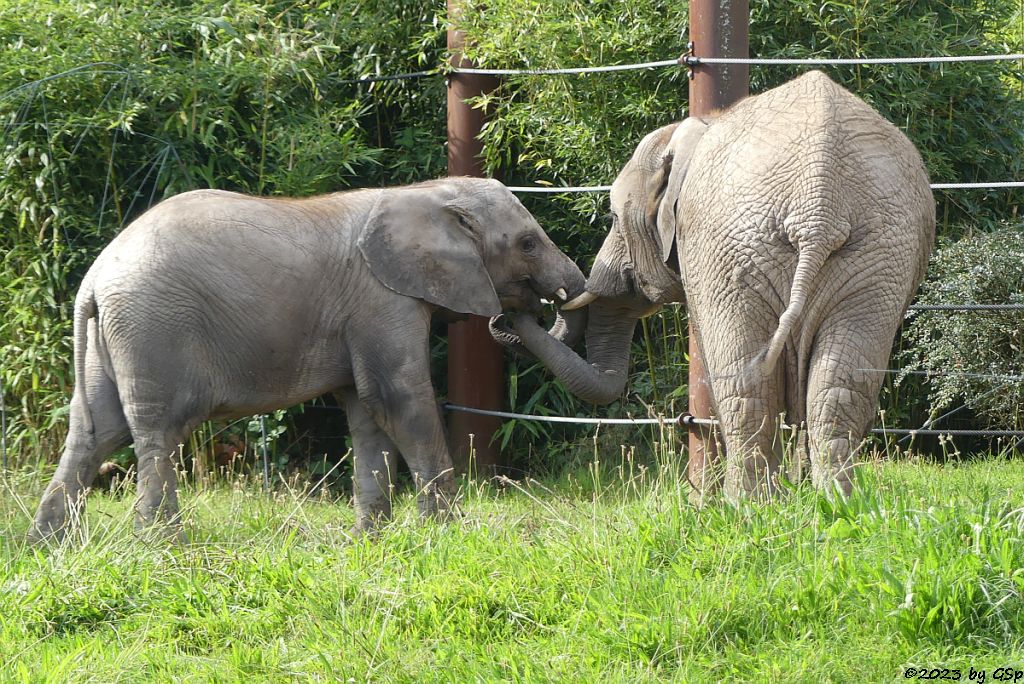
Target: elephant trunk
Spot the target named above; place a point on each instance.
(568, 329)
(601, 378)
(569, 326)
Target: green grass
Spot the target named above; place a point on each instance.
(605, 574)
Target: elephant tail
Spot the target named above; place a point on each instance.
(809, 262)
(85, 308)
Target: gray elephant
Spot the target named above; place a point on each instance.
(218, 305)
(803, 223)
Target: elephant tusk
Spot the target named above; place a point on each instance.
(579, 302)
(561, 294)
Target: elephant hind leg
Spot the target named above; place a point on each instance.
(750, 428)
(161, 416)
(842, 393)
(159, 430)
(156, 503)
(82, 454)
(412, 419)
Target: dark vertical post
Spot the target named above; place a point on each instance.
(718, 28)
(476, 363)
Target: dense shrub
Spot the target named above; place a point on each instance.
(974, 358)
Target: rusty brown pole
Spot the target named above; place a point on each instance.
(718, 28)
(476, 364)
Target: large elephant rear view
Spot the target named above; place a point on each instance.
(803, 223)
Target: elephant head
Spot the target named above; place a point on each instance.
(633, 273)
(476, 250)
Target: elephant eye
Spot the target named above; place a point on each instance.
(528, 244)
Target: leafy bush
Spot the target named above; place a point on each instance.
(974, 358)
(109, 107)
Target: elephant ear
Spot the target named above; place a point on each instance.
(675, 163)
(423, 242)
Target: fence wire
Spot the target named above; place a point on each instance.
(956, 374)
(570, 70)
(689, 60)
(693, 60)
(965, 307)
(686, 420)
(977, 186)
(555, 189)
(380, 78)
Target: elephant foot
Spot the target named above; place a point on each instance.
(161, 523)
(46, 533)
(162, 533)
(698, 497)
(438, 498)
(51, 523)
(369, 523)
(364, 529)
(370, 516)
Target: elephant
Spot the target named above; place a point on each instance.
(797, 226)
(215, 305)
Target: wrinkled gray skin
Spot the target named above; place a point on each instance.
(803, 223)
(219, 305)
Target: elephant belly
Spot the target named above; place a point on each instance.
(272, 379)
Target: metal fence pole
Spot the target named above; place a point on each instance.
(476, 363)
(718, 28)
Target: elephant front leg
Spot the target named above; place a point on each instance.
(410, 415)
(375, 464)
(416, 427)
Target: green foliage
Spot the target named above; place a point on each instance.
(106, 108)
(974, 358)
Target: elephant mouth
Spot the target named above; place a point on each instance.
(524, 295)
